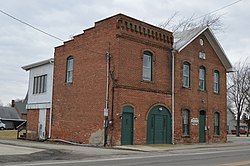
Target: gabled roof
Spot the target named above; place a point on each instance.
(184, 38)
(8, 113)
(37, 64)
(21, 106)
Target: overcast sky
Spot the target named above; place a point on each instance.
(21, 45)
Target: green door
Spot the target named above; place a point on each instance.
(202, 126)
(127, 126)
(159, 126)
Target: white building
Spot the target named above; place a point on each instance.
(39, 104)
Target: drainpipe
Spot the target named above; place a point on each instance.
(106, 111)
(173, 120)
(50, 120)
(51, 105)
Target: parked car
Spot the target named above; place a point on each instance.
(242, 131)
(2, 126)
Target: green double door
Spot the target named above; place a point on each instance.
(159, 126)
(127, 126)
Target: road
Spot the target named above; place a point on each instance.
(222, 156)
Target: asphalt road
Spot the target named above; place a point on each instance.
(223, 156)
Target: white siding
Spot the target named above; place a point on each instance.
(41, 100)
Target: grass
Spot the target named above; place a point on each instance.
(8, 134)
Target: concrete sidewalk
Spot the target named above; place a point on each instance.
(14, 147)
(17, 150)
(232, 142)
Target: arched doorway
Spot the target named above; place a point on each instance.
(127, 125)
(159, 126)
(202, 127)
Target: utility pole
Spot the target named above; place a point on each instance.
(106, 110)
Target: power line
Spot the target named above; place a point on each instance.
(46, 33)
(214, 11)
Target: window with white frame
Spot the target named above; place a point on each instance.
(40, 84)
(202, 78)
(69, 70)
(186, 75)
(185, 122)
(216, 123)
(216, 82)
(147, 66)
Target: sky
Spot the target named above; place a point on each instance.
(21, 45)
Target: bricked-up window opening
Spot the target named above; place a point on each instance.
(40, 84)
(216, 81)
(147, 66)
(216, 123)
(202, 78)
(185, 122)
(186, 75)
(69, 70)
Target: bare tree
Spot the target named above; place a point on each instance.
(186, 23)
(238, 90)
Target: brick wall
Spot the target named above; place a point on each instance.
(78, 107)
(196, 100)
(142, 102)
(33, 121)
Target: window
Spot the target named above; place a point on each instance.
(216, 81)
(202, 78)
(185, 122)
(216, 123)
(186, 75)
(69, 70)
(40, 84)
(147, 66)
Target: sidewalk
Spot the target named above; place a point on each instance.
(232, 142)
(17, 150)
(13, 147)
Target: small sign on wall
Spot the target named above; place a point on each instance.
(195, 121)
(106, 112)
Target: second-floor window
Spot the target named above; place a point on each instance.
(69, 70)
(216, 82)
(40, 84)
(147, 66)
(202, 78)
(186, 75)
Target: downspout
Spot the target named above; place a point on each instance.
(173, 120)
(106, 111)
(51, 105)
(50, 120)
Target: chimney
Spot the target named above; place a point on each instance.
(12, 103)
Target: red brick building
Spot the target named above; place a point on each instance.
(200, 87)
(138, 57)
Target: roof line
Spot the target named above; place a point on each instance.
(203, 30)
(37, 64)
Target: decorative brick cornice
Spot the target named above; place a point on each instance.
(142, 41)
(145, 30)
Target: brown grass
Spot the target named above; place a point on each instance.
(8, 134)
